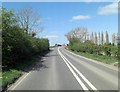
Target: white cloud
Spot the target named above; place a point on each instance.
(80, 17)
(51, 36)
(53, 32)
(109, 9)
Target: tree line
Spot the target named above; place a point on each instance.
(81, 41)
(99, 39)
(18, 36)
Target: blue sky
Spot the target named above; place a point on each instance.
(60, 18)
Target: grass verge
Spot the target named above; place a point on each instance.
(101, 58)
(52, 46)
(9, 76)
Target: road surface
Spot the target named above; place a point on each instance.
(62, 70)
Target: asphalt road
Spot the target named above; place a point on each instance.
(62, 70)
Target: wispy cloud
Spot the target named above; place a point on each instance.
(80, 17)
(108, 9)
(53, 32)
(51, 36)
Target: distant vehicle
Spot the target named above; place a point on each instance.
(57, 45)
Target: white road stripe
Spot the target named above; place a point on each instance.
(95, 61)
(83, 77)
(75, 75)
(20, 81)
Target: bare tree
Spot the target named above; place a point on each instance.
(92, 38)
(99, 38)
(102, 38)
(87, 36)
(117, 38)
(113, 38)
(29, 20)
(95, 38)
(77, 35)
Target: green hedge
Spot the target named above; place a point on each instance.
(91, 48)
(16, 44)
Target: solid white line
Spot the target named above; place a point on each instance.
(75, 75)
(20, 81)
(95, 61)
(83, 77)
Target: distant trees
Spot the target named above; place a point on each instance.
(92, 38)
(96, 38)
(96, 44)
(113, 38)
(87, 36)
(107, 38)
(102, 38)
(77, 35)
(99, 38)
(81, 35)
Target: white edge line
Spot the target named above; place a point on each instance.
(95, 61)
(84, 78)
(77, 78)
(20, 81)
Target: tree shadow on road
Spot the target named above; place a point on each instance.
(34, 63)
(38, 63)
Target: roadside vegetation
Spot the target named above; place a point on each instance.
(20, 46)
(52, 46)
(101, 58)
(94, 46)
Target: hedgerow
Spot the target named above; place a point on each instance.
(16, 44)
(89, 47)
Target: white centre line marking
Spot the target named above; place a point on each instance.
(75, 75)
(83, 77)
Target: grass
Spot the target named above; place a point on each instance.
(101, 58)
(52, 46)
(12, 74)
(9, 76)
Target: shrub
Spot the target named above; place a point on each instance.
(16, 44)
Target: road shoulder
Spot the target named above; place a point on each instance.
(111, 66)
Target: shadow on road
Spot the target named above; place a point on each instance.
(39, 63)
(33, 63)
